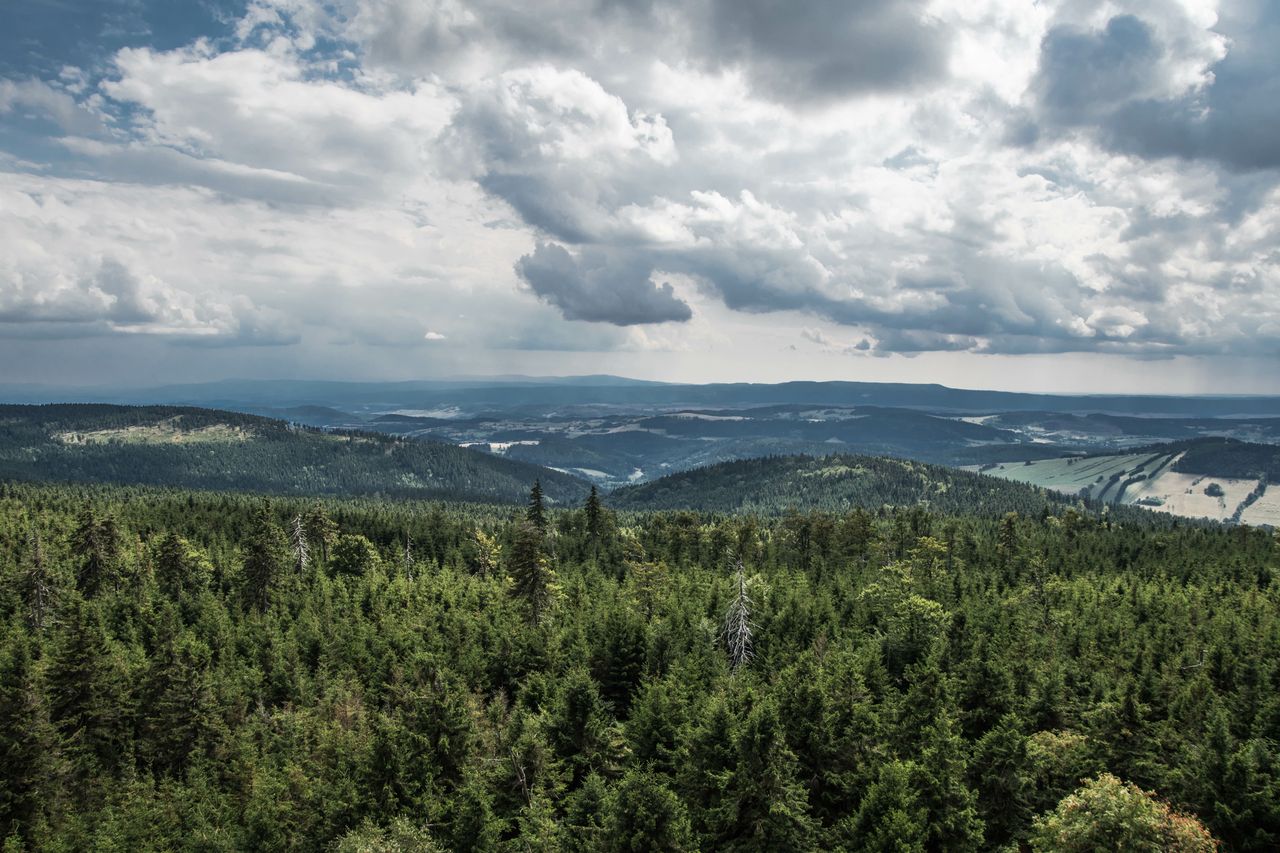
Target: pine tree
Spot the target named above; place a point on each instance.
(647, 816)
(536, 514)
(37, 585)
(95, 543)
(264, 553)
(321, 530)
(595, 515)
(954, 824)
(533, 579)
(890, 818)
(767, 807)
(86, 697)
(28, 758)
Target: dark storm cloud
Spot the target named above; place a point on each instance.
(829, 48)
(595, 287)
(1086, 74)
(548, 208)
(819, 51)
(1102, 80)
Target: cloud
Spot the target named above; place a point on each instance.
(1166, 87)
(834, 49)
(558, 147)
(47, 100)
(597, 288)
(640, 175)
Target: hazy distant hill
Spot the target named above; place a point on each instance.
(209, 449)
(841, 482)
(561, 391)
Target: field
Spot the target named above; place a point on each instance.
(1149, 480)
(170, 431)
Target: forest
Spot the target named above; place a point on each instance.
(187, 670)
(212, 449)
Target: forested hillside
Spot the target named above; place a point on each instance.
(216, 672)
(208, 449)
(775, 484)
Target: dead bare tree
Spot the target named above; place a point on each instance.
(298, 542)
(737, 622)
(407, 556)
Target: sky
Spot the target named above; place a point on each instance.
(1055, 196)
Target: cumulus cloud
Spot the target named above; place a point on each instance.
(834, 49)
(1159, 84)
(599, 288)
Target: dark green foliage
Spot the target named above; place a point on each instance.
(537, 513)
(265, 558)
(647, 816)
(891, 818)
(533, 580)
(96, 545)
(1226, 457)
(353, 554)
(917, 681)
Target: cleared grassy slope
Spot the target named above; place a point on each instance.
(1219, 479)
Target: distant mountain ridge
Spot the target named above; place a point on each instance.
(560, 391)
(209, 449)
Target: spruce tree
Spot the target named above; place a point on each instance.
(264, 556)
(321, 531)
(890, 819)
(533, 579)
(86, 689)
(37, 585)
(999, 775)
(767, 808)
(95, 544)
(954, 824)
(646, 816)
(29, 760)
(536, 513)
(595, 515)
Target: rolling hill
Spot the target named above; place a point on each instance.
(834, 483)
(210, 449)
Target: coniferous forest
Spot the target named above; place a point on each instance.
(217, 671)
